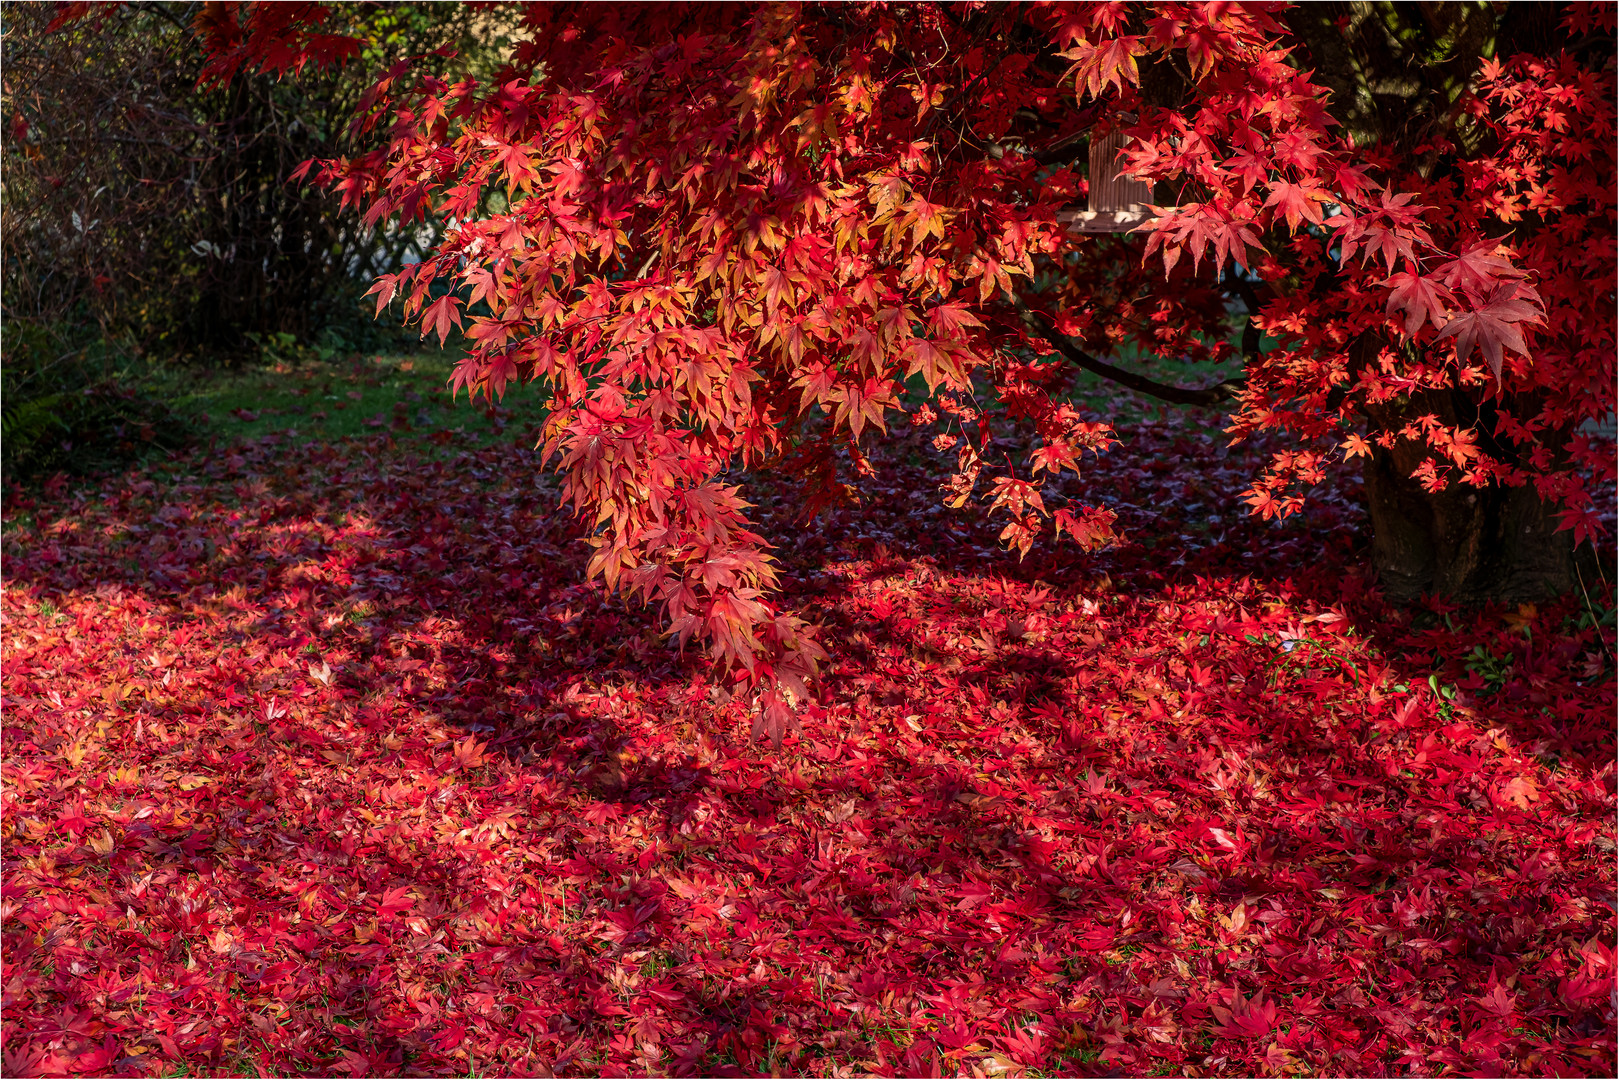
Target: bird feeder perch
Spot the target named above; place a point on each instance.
(1117, 202)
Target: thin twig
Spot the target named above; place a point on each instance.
(1591, 611)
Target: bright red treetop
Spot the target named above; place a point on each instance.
(723, 237)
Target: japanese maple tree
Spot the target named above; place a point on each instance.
(746, 237)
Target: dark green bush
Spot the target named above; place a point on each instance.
(82, 411)
(159, 209)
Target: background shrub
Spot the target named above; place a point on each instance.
(148, 221)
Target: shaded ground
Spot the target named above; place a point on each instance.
(319, 758)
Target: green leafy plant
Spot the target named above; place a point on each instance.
(1494, 670)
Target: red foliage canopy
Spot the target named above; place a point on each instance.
(736, 237)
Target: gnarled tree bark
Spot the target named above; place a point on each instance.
(1472, 545)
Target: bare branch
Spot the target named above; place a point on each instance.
(1067, 148)
(1244, 291)
(1177, 395)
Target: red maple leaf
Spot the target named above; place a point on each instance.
(1479, 268)
(1245, 1018)
(1420, 298)
(1297, 203)
(1494, 326)
(1112, 61)
(440, 315)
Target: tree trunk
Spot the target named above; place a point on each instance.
(1470, 544)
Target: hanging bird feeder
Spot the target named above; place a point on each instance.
(1117, 202)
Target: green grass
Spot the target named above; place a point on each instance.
(404, 395)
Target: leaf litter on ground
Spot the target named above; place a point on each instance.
(321, 758)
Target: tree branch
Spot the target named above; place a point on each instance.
(1177, 395)
(1244, 291)
(1064, 149)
